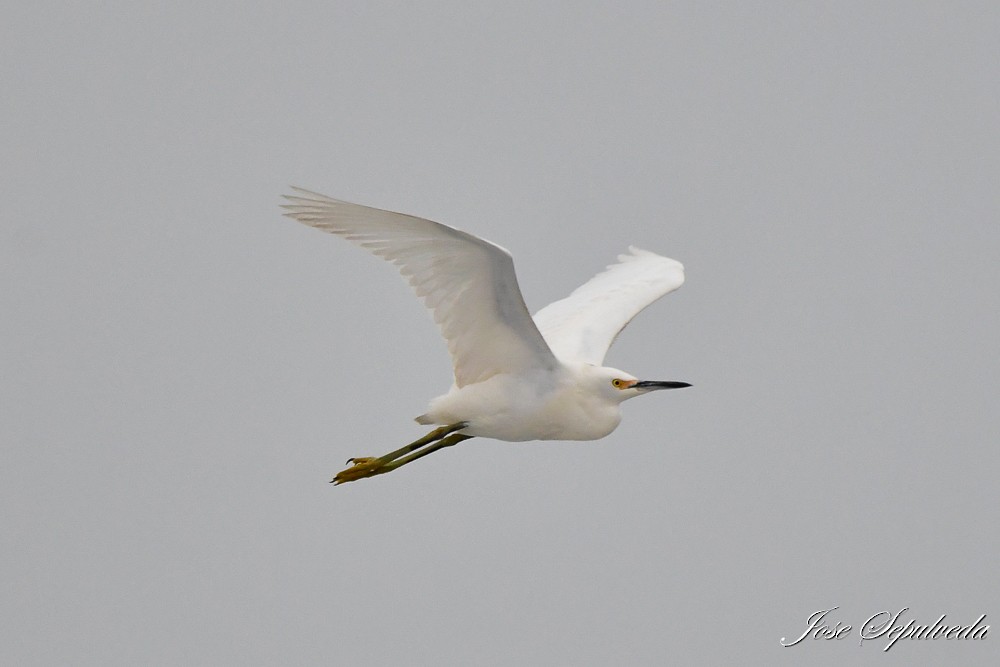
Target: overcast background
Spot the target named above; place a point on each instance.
(183, 370)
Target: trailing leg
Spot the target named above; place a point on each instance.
(369, 466)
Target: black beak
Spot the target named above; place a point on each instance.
(653, 385)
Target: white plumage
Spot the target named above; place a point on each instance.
(516, 377)
(583, 326)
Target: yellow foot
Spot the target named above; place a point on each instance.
(364, 466)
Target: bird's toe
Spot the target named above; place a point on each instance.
(364, 466)
(362, 460)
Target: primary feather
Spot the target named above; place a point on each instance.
(467, 282)
(583, 326)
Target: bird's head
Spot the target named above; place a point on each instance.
(619, 386)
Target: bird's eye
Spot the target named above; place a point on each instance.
(616, 383)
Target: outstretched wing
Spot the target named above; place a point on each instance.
(467, 283)
(583, 326)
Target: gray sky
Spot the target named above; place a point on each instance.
(183, 369)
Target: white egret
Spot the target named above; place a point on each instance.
(516, 377)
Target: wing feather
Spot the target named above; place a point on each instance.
(466, 282)
(583, 326)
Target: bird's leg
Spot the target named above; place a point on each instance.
(453, 439)
(368, 466)
(436, 434)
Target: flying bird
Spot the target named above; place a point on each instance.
(517, 377)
